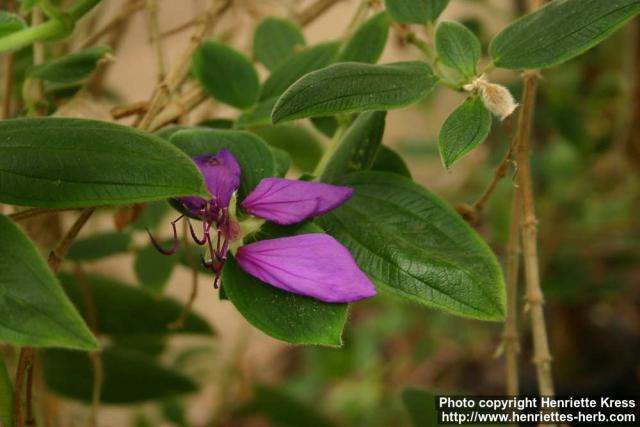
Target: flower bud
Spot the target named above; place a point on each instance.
(496, 98)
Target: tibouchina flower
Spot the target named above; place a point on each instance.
(314, 265)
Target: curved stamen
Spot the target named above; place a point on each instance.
(193, 235)
(174, 246)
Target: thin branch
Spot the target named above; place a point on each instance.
(30, 213)
(178, 29)
(534, 296)
(535, 300)
(358, 17)
(34, 88)
(24, 370)
(178, 107)
(631, 126)
(7, 73)
(30, 420)
(180, 71)
(130, 9)
(27, 354)
(193, 264)
(195, 96)
(154, 31)
(500, 172)
(98, 381)
(127, 110)
(58, 253)
(510, 337)
(91, 315)
(315, 10)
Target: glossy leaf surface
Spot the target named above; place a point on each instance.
(35, 310)
(354, 87)
(415, 246)
(64, 163)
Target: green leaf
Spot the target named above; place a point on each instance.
(421, 405)
(282, 410)
(35, 310)
(6, 395)
(226, 75)
(10, 23)
(99, 246)
(458, 48)
(259, 115)
(303, 147)
(252, 153)
(358, 147)
(153, 269)
(126, 310)
(276, 40)
(368, 42)
(388, 160)
(73, 68)
(65, 163)
(353, 87)
(415, 246)
(561, 30)
(283, 161)
(129, 377)
(415, 11)
(301, 63)
(468, 126)
(285, 316)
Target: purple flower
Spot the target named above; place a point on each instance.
(314, 265)
(285, 201)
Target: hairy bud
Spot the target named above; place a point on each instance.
(496, 98)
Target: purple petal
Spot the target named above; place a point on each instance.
(225, 157)
(285, 201)
(221, 174)
(314, 265)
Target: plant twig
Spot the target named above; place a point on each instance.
(193, 264)
(500, 172)
(510, 335)
(34, 88)
(30, 213)
(180, 72)
(528, 224)
(58, 253)
(308, 15)
(154, 31)
(127, 110)
(178, 29)
(24, 370)
(358, 17)
(632, 133)
(91, 314)
(27, 354)
(30, 420)
(535, 300)
(130, 9)
(178, 107)
(7, 73)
